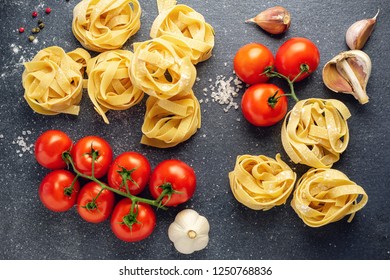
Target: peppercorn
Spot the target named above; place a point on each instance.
(41, 25)
(40, 21)
(34, 14)
(48, 11)
(35, 30)
(21, 29)
(31, 38)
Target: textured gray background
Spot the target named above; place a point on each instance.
(29, 231)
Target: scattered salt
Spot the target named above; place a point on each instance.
(22, 142)
(224, 90)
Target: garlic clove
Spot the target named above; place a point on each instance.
(359, 32)
(348, 72)
(275, 20)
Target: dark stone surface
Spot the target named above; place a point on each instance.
(30, 231)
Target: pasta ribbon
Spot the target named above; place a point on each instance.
(187, 26)
(170, 122)
(324, 196)
(101, 25)
(261, 182)
(315, 132)
(161, 69)
(53, 81)
(109, 84)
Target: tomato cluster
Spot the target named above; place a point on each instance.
(172, 182)
(265, 104)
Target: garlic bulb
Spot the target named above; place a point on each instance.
(275, 20)
(359, 32)
(189, 232)
(348, 72)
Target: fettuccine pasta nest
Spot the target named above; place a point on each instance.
(53, 81)
(162, 69)
(261, 182)
(109, 83)
(102, 25)
(188, 27)
(170, 122)
(324, 196)
(315, 132)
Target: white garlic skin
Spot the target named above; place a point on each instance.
(359, 32)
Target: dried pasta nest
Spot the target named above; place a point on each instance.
(162, 69)
(102, 25)
(315, 132)
(109, 83)
(324, 196)
(261, 182)
(53, 81)
(189, 28)
(169, 122)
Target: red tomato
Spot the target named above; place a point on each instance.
(295, 52)
(261, 107)
(49, 147)
(56, 192)
(82, 153)
(251, 61)
(132, 227)
(174, 174)
(92, 209)
(135, 166)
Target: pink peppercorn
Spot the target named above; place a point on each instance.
(21, 29)
(48, 11)
(34, 14)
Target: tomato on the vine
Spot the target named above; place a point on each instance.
(174, 177)
(251, 61)
(264, 104)
(49, 147)
(92, 149)
(58, 190)
(134, 167)
(94, 204)
(294, 53)
(131, 226)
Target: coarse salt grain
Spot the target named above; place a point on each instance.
(224, 90)
(24, 146)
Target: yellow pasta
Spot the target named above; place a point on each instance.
(161, 69)
(187, 26)
(170, 122)
(315, 132)
(102, 25)
(109, 84)
(260, 182)
(53, 81)
(324, 196)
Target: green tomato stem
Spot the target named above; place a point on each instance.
(271, 73)
(133, 198)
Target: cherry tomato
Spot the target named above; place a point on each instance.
(92, 209)
(133, 165)
(82, 155)
(57, 192)
(126, 228)
(263, 105)
(49, 147)
(251, 61)
(174, 174)
(295, 52)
